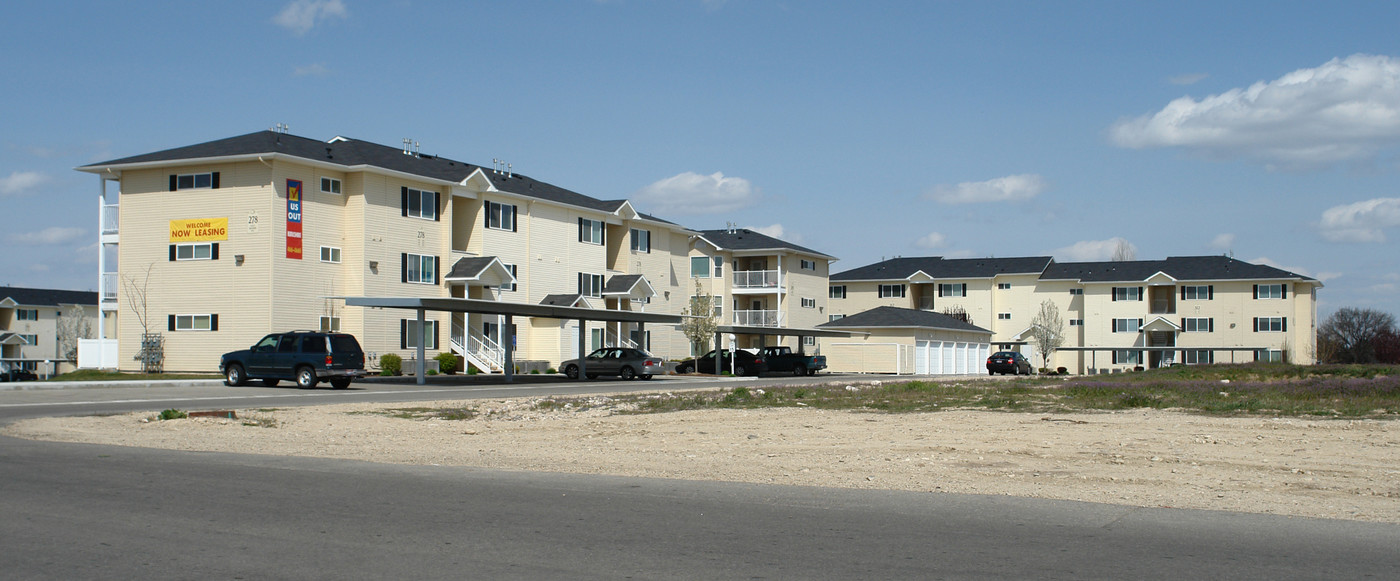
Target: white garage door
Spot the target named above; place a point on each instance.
(921, 357)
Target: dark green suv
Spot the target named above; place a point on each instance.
(306, 357)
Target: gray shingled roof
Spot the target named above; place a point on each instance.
(564, 300)
(1178, 267)
(939, 267)
(745, 239)
(43, 297)
(882, 317)
(353, 152)
(621, 283)
(469, 267)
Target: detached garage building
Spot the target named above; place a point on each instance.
(908, 341)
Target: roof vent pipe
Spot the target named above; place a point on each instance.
(406, 141)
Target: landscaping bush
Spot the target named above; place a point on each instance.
(173, 414)
(390, 364)
(1061, 371)
(447, 362)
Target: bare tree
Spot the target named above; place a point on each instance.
(959, 313)
(152, 352)
(700, 323)
(72, 326)
(1124, 251)
(1047, 330)
(1352, 334)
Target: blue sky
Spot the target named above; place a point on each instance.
(1266, 130)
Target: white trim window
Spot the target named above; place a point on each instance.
(1127, 357)
(699, 267)
(1197, 325)
(1127, 293)
(1203, 292)
(1270, 324)
(590, 285)
(1198, 356)
(26, 314)
(591, 231)
(808, 265)
(1270, 291)
(421, 203)
(194, 181)
(809, 303)
(809, 341)
(830, 318)
(1003, 316)
(511, 287)
(1075, 292)
(195, 323)
(330, 254)
(956, 289)
(330, 185)
(29, 339)
(641, 240)
(420, 269)
(1003, 286)
(1274, 355)
(500, 216)
(1127, 325)
(837, 292)
(1076, 322)
(409, 335)
(330, 324)
(196, 251)
(891, 291)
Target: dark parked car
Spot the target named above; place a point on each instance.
(620, 361)
(14, 373)
(1005, 362)
(306, 357)
(745, 363)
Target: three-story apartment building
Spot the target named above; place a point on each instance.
(34, 335)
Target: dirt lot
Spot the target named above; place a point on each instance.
(1288, 466)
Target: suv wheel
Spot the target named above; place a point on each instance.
(306, 377)
(340, 382)
(234, 376)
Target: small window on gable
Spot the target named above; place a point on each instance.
(809, 265)
(1003, 286)
(330, 185)
(809, 303)
(1076, 291)
(194, 181)
(1004, 316)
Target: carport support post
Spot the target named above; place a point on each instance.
(719, 354)
(508, 337)
(582, 357)
(422, 349)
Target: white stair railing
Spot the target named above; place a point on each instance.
(480, 350)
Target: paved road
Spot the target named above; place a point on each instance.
(81, 512)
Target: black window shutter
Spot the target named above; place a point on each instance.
(580, 283)
(403, 200)
(486, 215)
(1284, 322)
(1256, 294)
(1140, 324)
(1256, 324)
(514, 218)
(403, 333)
(940, 290)
(403, 267)
(1115, 299)
(172, 253)
(580, 229)
(1140, 293)
(1183, 293)
(174, 179)
(1210, 292)
(436, 331)
(214, 251)
(437, 208)
(1183, 323)
(214, 181)
(171, 322)
(1211, 324)
(214, 322)
(605, 234)
(1284, 287)
(437, 271)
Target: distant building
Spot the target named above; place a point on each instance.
(32, 333)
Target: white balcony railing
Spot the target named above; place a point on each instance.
(756, 279)
(110, 283)
(110, 217)
(758, 318)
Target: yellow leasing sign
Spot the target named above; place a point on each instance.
(199, 230)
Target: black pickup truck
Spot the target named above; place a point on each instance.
(782, 358)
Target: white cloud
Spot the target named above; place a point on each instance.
(302, 15)
(931, 241)
(1266, 261)
(1188, 79)
(777, 231)
(311, 70)
(1360, 222)
(21, 182)
(1345, 110)
(1223, 242)
(47, 236)
(1091, 250)
(692, 193)
(1016, 187)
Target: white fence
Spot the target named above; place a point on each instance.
(97, 353)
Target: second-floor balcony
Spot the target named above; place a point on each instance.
(756, 279)
(110, 217)
(758, 318)
(1163, 307)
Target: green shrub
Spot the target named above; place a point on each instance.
(551, 371)
(447, 362)
(390, 364)
(534, 372)
(471, 370)
(173, 414)
(430, 372)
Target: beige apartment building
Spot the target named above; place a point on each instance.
(210, 246)
(40, 328)
(1117, 315)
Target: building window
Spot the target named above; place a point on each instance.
(1275, 355)
(809, 303)
(1270, 291)
(700, 267)
(409, 334)
(1199, 356)
(511, 286)
(330, 185)
(330, 254)
(590, 285)
(1003, 286)
(1270, 324)
(27, 314)
(641, 240)
(952, 290)
(500, 216)
(719, 267)
(29, 339)
(590, 231)
(420, 268)
(194, 322)
(1076, 322)
(837, 292)
(1126, 325)
(1076, 291)
(809, 341)
(420, 204)
(830, 318)
(1003, 316)
(1127, 357)
(199, 251)
(330, 324)
(809, 265)
(1197, 293)
(888, 291)
(1127, 293)
(1198, 325)
(194, 181)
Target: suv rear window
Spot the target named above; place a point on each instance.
(313, 344)
(344, 343)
